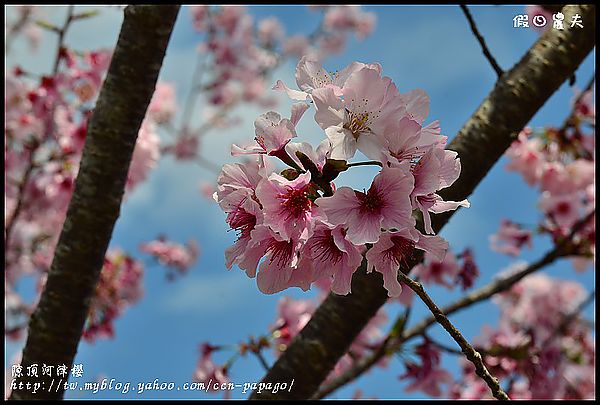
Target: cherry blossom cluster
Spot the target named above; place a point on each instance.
(46, 120)
(427, 375)
(306, 227)
(292, 315)
(453, 270)
(236, 58)
(119, 287)
(176, 257)
(560, 162)
(243, 52)
(543, 351)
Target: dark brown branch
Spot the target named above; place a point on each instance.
(61, 38)
(57, 323)
(393, 343)
(471, 354)
(486, 52)
(517, 96)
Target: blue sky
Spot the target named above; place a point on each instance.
(428, 47)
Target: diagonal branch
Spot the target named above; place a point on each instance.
(471, 354)
(391, 344)
(56, 325)
(486, 52)
(517, 96)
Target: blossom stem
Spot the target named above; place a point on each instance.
(368, 163)
(471, 354)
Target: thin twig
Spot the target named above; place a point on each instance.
(193, 94)
(262, 360)
(481, 294)
(481, 40)
(471, 354)
(208, 165)
(442, 346)
(14, 29)
(61, 38)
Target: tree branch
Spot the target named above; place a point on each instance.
(393, 343)
(61, 39)
(471, 354)
(480, 143)
(486, 52)
(56, 325)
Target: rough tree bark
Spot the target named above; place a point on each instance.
(57, 323)
(516, 97)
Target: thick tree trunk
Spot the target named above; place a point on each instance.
(57, 323)
(517, 96)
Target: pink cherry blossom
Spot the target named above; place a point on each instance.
(287, 205)
(558, 178)
(428, 375)
(318, 157)
(280, 262)
(436, 170)
(207, 371)
(563, 210)
(270, 30)
(199, 14)
(439, 272)
(272, 132)
(469, 270)
(332, 256)
(243, 218)
(163, 105)
(341, 17)
(296, 45)
(185, 147)
(406, 140)
(292, 316)
(585, 107)
(369, 103)
(310, 75)
(119, 286)
(172, 254)
(510, 238)
(145, 154)
(238, 177)
(395, 248)
(526, 157)
(384, 205)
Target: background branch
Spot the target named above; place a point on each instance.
(481, 40)
(393, 343)
(56, 325)
(471, 354)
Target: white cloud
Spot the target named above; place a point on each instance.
(214, 294)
